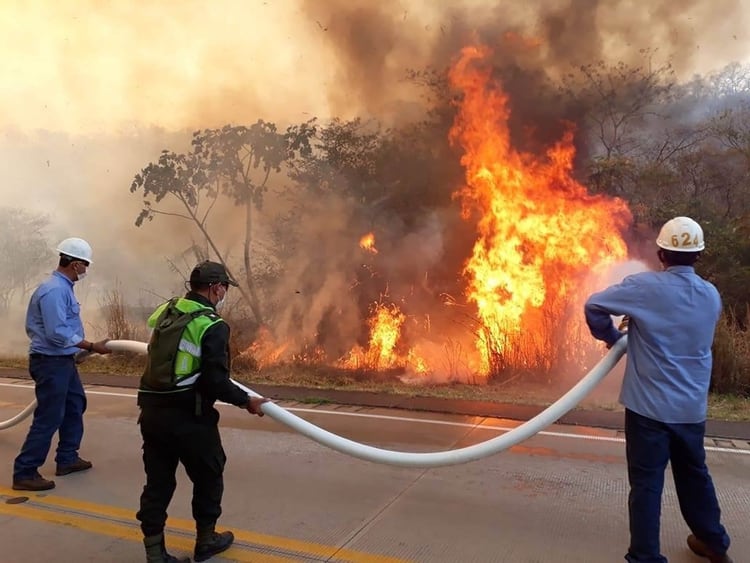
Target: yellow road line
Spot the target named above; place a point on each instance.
(246, 536)
(122, 531)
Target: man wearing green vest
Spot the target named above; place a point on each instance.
(186, 373)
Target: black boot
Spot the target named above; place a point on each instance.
(156, 551)
(209, 543)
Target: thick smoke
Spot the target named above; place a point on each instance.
(374, 42)
(97, 93)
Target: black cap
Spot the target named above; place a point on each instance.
(211, 272)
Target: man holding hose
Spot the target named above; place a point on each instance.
(672, 318)
(186, 373)
(54, 326)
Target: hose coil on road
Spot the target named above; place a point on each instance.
(412, 459)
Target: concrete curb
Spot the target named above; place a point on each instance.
(577, 417)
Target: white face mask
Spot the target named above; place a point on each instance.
(81, 275)
(220, 302)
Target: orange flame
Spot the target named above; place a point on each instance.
(384, 334)
(265, 350)
(386, 322)
(385, 330)
(539, 230)
(368, 243)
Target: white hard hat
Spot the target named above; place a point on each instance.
(681, 234)
(75, 248)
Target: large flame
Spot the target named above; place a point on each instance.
(538, 229)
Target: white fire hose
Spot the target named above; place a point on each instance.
(410, 459)
(19, 417)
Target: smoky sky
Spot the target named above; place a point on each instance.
(373, 43)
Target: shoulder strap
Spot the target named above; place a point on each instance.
(166, 317)
(207, 312)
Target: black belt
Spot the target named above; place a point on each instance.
(61, 356)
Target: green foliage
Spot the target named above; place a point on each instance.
(223, 162)
(232, 153)
(385, 172)
(182, 176)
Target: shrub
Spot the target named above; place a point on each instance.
(731, 351)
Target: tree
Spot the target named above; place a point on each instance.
(620, 100)
(24, 249)
(342, 160)
(235, 162)
(731, 81)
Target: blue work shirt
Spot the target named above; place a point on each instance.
(673, 316)
(53, 320)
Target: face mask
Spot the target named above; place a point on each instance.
(220, 302)
(81, 275)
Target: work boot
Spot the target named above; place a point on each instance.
(35, 483)
(209, 543)
(156, 551)
(77, 465)
(700, 548)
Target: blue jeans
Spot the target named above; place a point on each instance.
(61, 403)
(650, 444)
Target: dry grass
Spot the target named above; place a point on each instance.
(729, 407)
(729, 401)
(119, 324)
(731, 351)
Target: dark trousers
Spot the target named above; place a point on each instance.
(650, 445)
(172, 436)
(61, 403)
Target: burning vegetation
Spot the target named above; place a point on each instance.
(537, 237)
(539, 231)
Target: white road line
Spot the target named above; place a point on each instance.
(612, 439)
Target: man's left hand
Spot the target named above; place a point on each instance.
(100, 347)
(254, 405)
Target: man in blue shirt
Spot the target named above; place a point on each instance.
(53, 324)
(672, 317)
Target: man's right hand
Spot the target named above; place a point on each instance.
(254, 405)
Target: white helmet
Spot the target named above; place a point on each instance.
(681, 234)
(75, 248)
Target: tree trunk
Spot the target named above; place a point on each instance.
(254, 302)
(250, 298)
